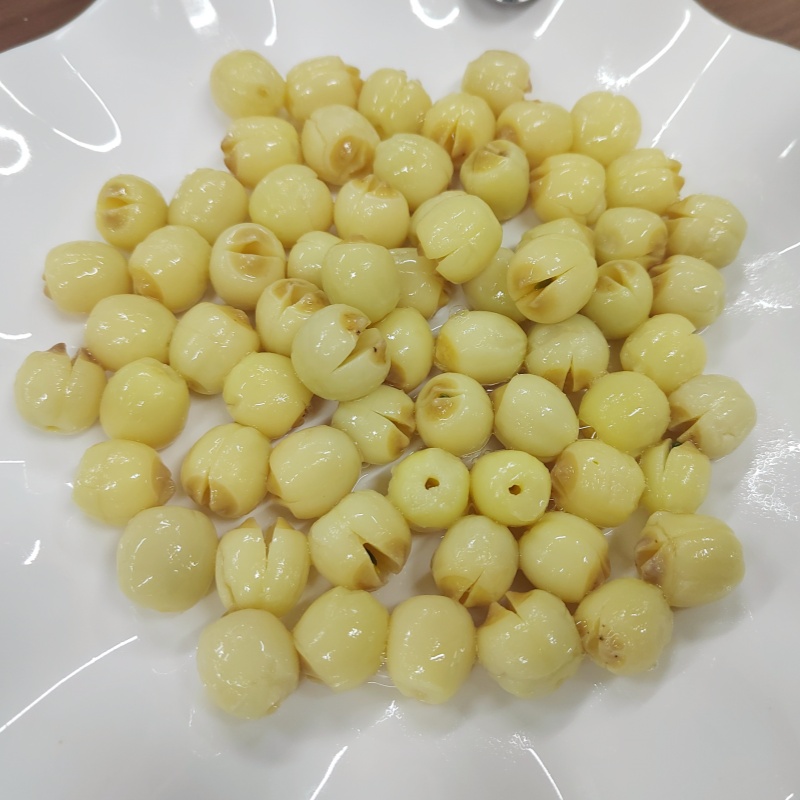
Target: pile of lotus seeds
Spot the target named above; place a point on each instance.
(565, 392)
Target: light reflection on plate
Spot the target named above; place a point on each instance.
(98, 699)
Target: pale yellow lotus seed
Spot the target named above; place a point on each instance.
(564, 555)
(666, 349)
(361, 542)
(454, 412)
(688, 286)
(381, 423)
(431, 489)
(320, 82)
(393, 102)
(431, 648)
(312, 469)
(247, 663)
(621, 300)
(370, 208)
(509, 486)
(208, 341)
(290, 201)
(263, 391)
(488, 290)
(626, 410)
(676, 477)
(458, 231)
(128, 209)
(341, 638)
(476, 561)
(254, 146)
(531, 648)
(77, 275)
(532, 415)
(605, 126)
(414, 165)
(262, 569)
(145, 401)
(421, 286)
(706, 227)
(485, 345)
(338, 356)
(694, 559)
(306, 256)
(226, 470)
(55, 392)
(498, 173)
(283, 308)
(499, 77)
(409, 344)
(633, 234)
(570, 354)
(569, 185)
(171, 266)
(460, 123)
(540, 129)
(565, 226)
(625, 625)
(550, 278)
(165, 558)
(595, 481)
(644, 178)
(338, 144)
(125, 327)
(210, 201)
(362, 275)
(714, 412)
(245, 259)
(116, 479)
(244, 83)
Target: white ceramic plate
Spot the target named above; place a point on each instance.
(100, 700)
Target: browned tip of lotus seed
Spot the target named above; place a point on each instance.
(495, 614)
(369, 343)
(228, 145)
(114, 218)
(652, 568)
(508, 133)
(444, 134)
(490, 156)
(441, 405)
(85, 355)
(396, 376)
(377, 187)
(231, 162)
(236, 315)
(222, 502)
(681, 430)
(115, 194)
(564, 475)
(457, 588)
(59, 349)
(144, 286)
(162, 480)
(398, 438)
(353, 323)
(311, 302)
(351, 156)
